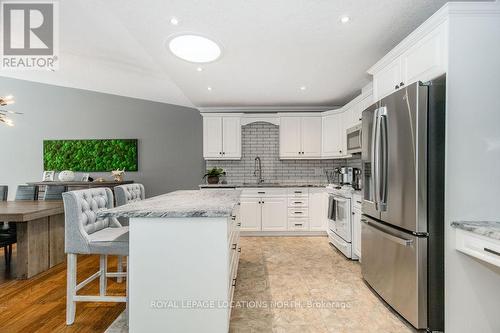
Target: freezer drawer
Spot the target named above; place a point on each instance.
(395, 265)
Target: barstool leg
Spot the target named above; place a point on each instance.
(119, 269)
(103, 264)
(10, 254)
(6, 255)
(71, 289)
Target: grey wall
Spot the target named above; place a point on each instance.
(473, 160)
(170, 136)
(262, 139)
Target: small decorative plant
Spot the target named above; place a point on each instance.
(213, 174)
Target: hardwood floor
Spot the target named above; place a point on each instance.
(39, 304)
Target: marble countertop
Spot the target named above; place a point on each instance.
(193, 203)
(489, 229)
(253, 185)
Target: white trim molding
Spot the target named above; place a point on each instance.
(265, 109)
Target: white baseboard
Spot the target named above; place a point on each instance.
(282, 233)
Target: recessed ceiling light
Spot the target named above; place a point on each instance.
(194, 48)
(209, 88)
(174, 21)
(303, 88)
(345, 19)
(199, 69)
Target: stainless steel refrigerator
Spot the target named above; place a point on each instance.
(403, 202)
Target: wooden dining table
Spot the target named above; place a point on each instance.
(40, 234)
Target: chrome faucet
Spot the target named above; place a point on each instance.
(258, 168)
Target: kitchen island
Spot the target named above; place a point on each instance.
(183, 260)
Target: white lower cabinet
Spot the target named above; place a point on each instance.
(264, 214)
(274, 214)
(250, 214)
(284, 209)
(318, 206)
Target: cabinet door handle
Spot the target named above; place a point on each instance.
(261, 192)
(239, 224)
(233, 218)
(234, 283)
(263, 202)
(298, 224)
(401, 84)
(492, 251)
(234, 246)
(396, 87)
(297, 202)
(298, 192)
(239, 249)
(297, 212)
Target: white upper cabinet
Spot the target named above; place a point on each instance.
(222, 137)
(420, 57)
(300, 137)
(290, 142)
(212, 137)
(427, 58)
(231, 137)
(332, 146)
(388, 79)
(311, 137)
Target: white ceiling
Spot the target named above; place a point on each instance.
(270, 48)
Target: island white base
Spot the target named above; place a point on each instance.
(182, 273)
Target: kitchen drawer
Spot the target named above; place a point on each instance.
(298, 224)
(298, 212)
(234, 239)
(478, 246)
(297, 192)
(233, 224)
(298, 202)
(263, 192)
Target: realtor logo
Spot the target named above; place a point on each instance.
(30, 35)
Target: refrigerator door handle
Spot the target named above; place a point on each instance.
(383, 162)
(374, 171)
(385, 234)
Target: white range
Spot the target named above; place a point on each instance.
(340, 219)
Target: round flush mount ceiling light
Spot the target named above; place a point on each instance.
(194, 48)
(345, 19)
(174, 20)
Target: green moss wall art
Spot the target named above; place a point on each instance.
(90, 155)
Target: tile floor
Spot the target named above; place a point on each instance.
(301, 284)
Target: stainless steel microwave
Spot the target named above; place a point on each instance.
(354, 139)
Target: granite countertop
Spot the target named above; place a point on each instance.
(253, 185)
(193, 203)
(489, 229)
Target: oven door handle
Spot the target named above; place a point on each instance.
(331, 208)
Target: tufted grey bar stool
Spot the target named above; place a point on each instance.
(128, 193)
(125, 194)
(88, 234)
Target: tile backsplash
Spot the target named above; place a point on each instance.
(262, 139)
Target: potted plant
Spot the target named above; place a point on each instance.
(213, 175)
